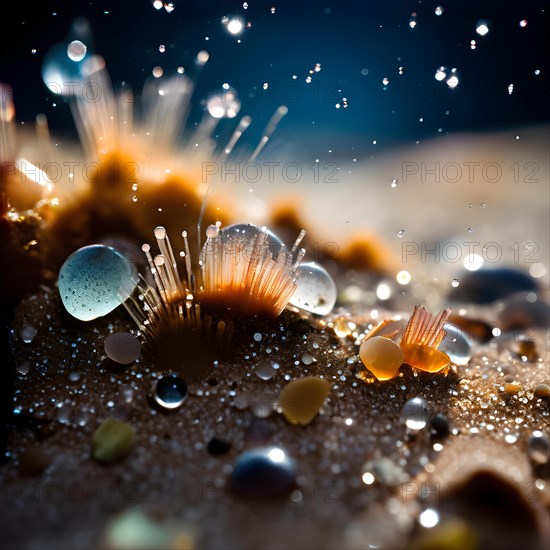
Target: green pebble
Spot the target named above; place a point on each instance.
(112, 441)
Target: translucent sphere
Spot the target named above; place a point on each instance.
(94, 280)
(263, 473)
(456, 345)
(441, 73)
(315, 290)
(169, 392)
(247, 232)
(416, 413)
(76, 50)
(66, 66)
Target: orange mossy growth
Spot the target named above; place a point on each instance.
(363, 252)
(106, 208)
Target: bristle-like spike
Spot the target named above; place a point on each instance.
(269, 129)
(7, 124)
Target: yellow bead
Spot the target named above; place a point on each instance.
(425, 358)
(381, 356)
(301, 399)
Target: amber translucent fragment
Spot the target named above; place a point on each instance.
(424, 357)
(381, 356)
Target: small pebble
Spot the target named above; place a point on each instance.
(301, 400)
(538, 447)
(485, 286)
(512, 388)
(439, 426)
(112, 441)
(27, 333)
(94, 280)
(122, 347)
(217, 447)
(542, 390)
(381, 356)
(263, 473)
(524, 311)
(32, 462)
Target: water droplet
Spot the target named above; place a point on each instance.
(482, 28)
(169, 392)
(539, 447)
(510, 438)
(162, 48)
(94, 280)
(394, 183)
(27, 333)
(157, 71)
(24, 368)
(441, 73)
(429, 518)
(439, 10)
(455, 282)
(385, 81)
(122, 347)
(66, 66)
(266, 369)
(74, 376)
(456, 345)
(235, 26)
(452, 81)
(225, 104)
(315, 290)
(400, 233)
(263, 473)
(510, 89)
(415, 413)
(76, 50)
(523, 23)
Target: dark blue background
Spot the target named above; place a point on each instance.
(344, 36)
